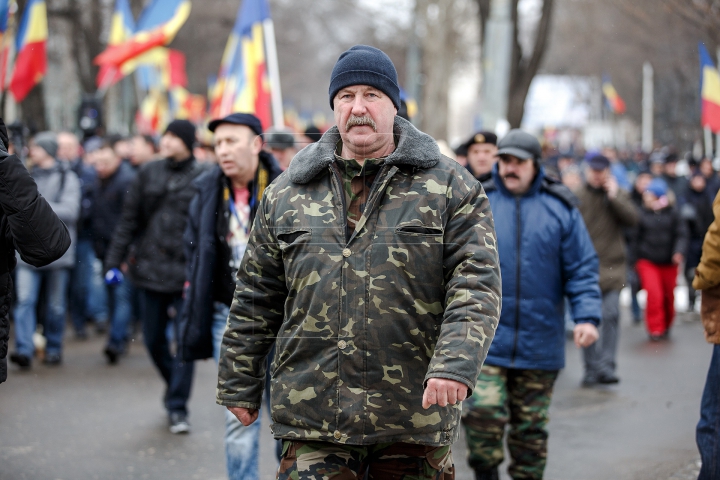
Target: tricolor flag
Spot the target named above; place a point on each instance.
(122, 27)
(709, 91)
(243, 84)
(616, 104)
(31, 60)
(157, 26)
(7, 38)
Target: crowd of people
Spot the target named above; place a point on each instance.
(325, 272)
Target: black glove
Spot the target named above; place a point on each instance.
(4, 135)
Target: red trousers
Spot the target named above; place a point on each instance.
(659, 283)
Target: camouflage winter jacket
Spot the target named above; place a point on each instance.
(361, 325)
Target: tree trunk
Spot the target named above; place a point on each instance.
(33, 110)
(524, 68)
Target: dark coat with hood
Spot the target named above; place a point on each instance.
(153, 221)
(29, 226)
(205, 242)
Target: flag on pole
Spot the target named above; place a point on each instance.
(31, 59)
(157, 26)
(243, 84)
(7, 39)
(122, 27)
(616, 104)
(709, 91)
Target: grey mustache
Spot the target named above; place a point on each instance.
(354, 121)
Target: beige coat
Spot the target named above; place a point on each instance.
(707, 278)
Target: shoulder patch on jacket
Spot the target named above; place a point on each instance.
(560, 191)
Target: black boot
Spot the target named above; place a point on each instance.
(491, 474)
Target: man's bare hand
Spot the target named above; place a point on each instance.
(442, 391)
(585, 334)
(246, 415)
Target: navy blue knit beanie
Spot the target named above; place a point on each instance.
(364, 65)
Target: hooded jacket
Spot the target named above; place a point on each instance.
(658, 235)
(202, 244)
(707, 278)
(545, 255)
(360, 325)
(61, 189)
(29, 226)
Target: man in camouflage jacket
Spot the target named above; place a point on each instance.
(372, 265)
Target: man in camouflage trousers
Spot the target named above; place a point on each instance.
(372, 265)
(545, 255)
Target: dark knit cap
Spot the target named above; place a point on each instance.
(184, 130)
(47, 141)
(364, 65)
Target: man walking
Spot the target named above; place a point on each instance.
(153, 219)
(545, 256)
(607, 210)
(372, 265)
(61, 188)
(216, 237)
(114, 179)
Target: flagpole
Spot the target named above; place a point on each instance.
(274, 73)
(708, 142)
(647, 108)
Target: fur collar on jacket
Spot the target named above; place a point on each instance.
(414, 148)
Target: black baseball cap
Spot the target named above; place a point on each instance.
(247, 119)
(521, 145)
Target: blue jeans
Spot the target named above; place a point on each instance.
(708, 428)
(156, 309)
(120, 303)
(241, 442)
(27, 283)
(88, 299)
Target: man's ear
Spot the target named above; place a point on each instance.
(257, 144)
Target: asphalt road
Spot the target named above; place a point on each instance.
(88, 420)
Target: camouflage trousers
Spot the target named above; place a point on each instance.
(514, 397)
(396, 461)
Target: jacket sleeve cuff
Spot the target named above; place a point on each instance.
(231, 403)
(594, 321)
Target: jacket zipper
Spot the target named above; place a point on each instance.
(337, 182)
(518, 259)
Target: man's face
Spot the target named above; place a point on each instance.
(38, 156)
(172, 147)
(642, 181)
(123, 149)
(517, 174)
(364, 116)
(670, 168)
(656, 168)
(597, 178)
(283, 156)
(697, 183)
(706, 168)
(237, 148)
(68, 147)
(481, 157)
(106, 162)
(141, 151)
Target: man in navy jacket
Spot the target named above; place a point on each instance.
(546, 255)
(217, 233)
